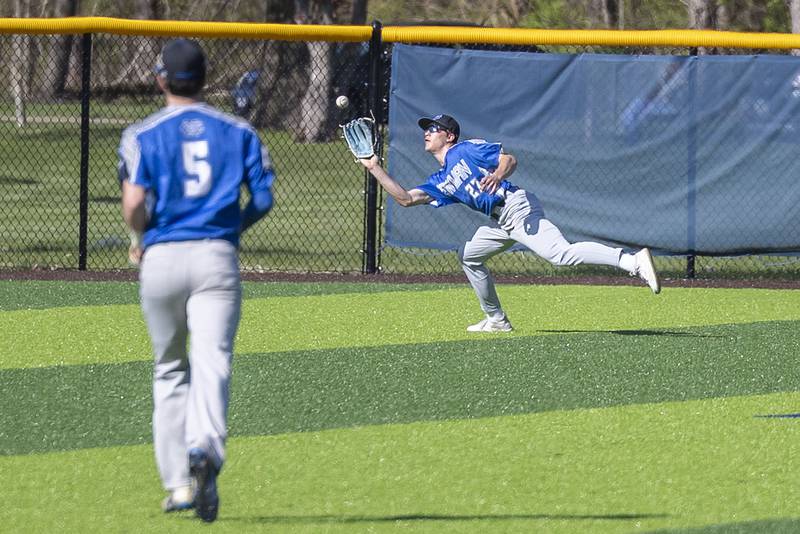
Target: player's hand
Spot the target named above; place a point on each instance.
(135, 255)
(370, 163)
(490, 183)
(135, 250)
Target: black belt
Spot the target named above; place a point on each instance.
(497, 209)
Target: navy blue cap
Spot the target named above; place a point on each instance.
(445, 121)
(182, 59)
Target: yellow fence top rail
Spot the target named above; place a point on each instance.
(640, 38)
(244, 30)
(404, 34)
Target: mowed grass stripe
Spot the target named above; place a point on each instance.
(706, 465)
(72, 407)
(113, 334)
(43, 294)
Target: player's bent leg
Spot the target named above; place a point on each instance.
(486, 242)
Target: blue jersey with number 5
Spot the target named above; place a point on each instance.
(465, 164)
(192, 161)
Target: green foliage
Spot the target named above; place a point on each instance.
(552, 14)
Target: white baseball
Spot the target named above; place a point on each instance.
(342, 101)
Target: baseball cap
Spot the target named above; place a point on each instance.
(445, 121)
(182, 59)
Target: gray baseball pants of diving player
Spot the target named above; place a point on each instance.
(521, 220)
(190, 289)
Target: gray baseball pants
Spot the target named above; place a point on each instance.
(521, 220)
(190, 289)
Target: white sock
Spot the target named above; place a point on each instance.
(627, 262)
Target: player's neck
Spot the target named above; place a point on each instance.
(176, 100)
(441, 153)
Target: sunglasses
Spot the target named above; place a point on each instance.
(433, 128)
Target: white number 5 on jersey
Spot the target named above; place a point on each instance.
(195, 162)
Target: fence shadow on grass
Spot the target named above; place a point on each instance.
(354, 519)
(633, 333)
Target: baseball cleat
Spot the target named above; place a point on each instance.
(487, 325)
(646, 271)
(204, 475)
(178, 500)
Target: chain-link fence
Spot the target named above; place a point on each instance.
(283, 88)
(65, 100)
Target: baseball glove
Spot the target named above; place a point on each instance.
(358, 134)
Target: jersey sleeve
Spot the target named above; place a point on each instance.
(259, 173)
(439, 198)
(259, 176)
(129, 167)
(486, 155)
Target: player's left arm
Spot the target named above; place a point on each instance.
(506, 166)
(259, 178)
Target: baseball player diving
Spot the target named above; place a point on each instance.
(181, 171)
(475, 173)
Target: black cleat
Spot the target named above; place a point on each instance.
(204, 474)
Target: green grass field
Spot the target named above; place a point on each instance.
(367, 408)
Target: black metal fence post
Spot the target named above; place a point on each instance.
(370, 262)
(691, 173)
(86, 70)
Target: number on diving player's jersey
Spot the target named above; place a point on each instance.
(473, 188)
(195, 162)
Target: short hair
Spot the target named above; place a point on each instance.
(186, 87)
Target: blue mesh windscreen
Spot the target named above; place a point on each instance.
(676, 153)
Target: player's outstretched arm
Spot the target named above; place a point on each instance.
(403, 196)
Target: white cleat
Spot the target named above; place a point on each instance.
(487, 325)
(178, 499)
(646, 271)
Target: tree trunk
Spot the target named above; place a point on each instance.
(603, 13)
(19, 65)
(315, 107)
(700, 14)
(723, 17)
(359, 13)
(701, 17)
(138, 50)
(57, 66)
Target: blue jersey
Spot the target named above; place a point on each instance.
(192, 161)
(465, 164)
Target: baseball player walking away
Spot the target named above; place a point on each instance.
(475, 173)
(181, 170)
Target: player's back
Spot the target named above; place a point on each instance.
(192, 159)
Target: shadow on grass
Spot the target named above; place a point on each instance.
(344, 519)
(766, 526)
(101, 199)
(633, 333)
(17, 181)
